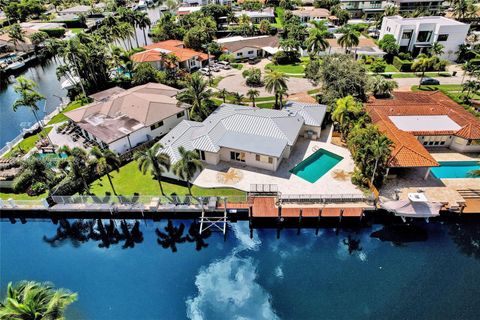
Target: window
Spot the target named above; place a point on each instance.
(424, 36)
(250, 52)
(407, 35)
(442, 37)
(262, 158)
(201, 153)
(156, 125)
(239, 54)
(237, 156)
(181, 114)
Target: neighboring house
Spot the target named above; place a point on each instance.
(366, 46)
(259, 138)
(257, 16)
(188, 59)
(250, 47)
(82, 9)
(307, 14)
(27, 45)
(363, 8)
(130, 118)
(416, 35)
(418, 121)
(187, 10)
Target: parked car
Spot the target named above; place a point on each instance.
(205, 71)
(225, 65)
(253, 61)
(429, 82)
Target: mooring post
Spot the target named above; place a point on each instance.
(318, 221)
(300, 221)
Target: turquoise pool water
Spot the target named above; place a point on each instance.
(375, 272)
(315, 166)
(455, 169)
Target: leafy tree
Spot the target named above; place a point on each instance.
(144, 73)
(276, 82)
(345, 113)
(252, 94)
(340, 76)
(16, 34)
(154, 160)
(253, 77)
(197, 95)
(106, 161)
(378, 66)
(389, 44)
(381, 87)
(326, 4)
(422, 64)
(78, 168)
(187, 166)
(264, 27)
(342, 15)
(196, 38)
(35, 173)
(37, 39)
(30, 300)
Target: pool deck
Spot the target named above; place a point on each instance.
(445, 154)
(335, 181)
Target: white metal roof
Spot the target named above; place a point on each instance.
(424, 123)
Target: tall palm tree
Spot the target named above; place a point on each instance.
(252, 94)
(470, 86)
(16, 34)
(316, 42)
(350, 38)
(223, 93)
(237, 98)
(422, 65)
(30, 300)
(29, 98)
(381, 149)
(77, 166)
(155, 161)
(143, 21)
(106, 161)
(346, 109)
(275, 82)
(187, 166)
(196, 94)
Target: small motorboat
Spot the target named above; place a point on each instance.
(15, 65)
(416, 206)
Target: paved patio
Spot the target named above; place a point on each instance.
(334, 182)
(61, 140)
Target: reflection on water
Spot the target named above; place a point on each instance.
(204, 276)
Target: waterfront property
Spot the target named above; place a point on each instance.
(130, 118)
(417, 35)
(365, 47)
(307, 14)
(155, 54)
(257, 16)
(259, 138)
(249, 47)
(316, 165)
(455, 169)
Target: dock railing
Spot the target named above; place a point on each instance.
(325, 198)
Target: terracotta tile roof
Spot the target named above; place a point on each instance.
(152, 52)
(302, 97)
(408, 151)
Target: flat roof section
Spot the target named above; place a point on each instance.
(425, 123)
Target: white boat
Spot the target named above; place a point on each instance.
(416, 206)
(15, 65)
(70, 83)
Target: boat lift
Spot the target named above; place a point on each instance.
(211, 221)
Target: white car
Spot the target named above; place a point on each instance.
(224, 65)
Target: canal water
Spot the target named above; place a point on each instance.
(426, 272)
(11, 123)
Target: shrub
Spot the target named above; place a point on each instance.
(378, 66)
(405, 56)
(281, 57)
(55, 32)
(401, 65)
(226, 57)
(36, 189)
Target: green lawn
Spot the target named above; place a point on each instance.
(27, 143)
(443, 87)
(391, 68)
(266, 105)
(216, 81)
(19, 196)
(76, 30)
(61, 117)
(287, 68)
(130, 180)
(416, 75)
(279, 18)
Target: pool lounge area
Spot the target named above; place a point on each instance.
(455, 169)
(316, 165)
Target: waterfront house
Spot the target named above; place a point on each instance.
(256, 137)
(249, 47)
(417, 35)
(154, 54)
(366, 46)
(307, 14)
(83, 9)
(26, 45)
(417, 122)
(257, 16)
(129, 118)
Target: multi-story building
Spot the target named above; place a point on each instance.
(432, 6)
(363, 8)
(416, 35)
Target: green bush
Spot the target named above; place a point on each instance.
(378, 66)
(405, 56)
(282, 57)
(402, 65)
(54, 32)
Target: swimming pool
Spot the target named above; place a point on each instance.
(316, 165)
(455, 169)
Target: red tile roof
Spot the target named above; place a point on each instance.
(152, 52)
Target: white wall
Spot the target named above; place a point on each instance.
(245, 53)
(250, 160)
(460, 145)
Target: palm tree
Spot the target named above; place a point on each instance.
(316, 42)
(381, 149)
(187, 166)
(350, 38)
(237, 98)
(252, 94)
(33, 171)
(346, 109)
(422, 65)
(275, 82)
(77, 166)
(264, 27)
(470, 86)
(29, 98)
(106, 161)
(223, 93)
(381, 87)
(436, 49)
(38, 38)
(196, 94)
(30, 300)
(281, 93)
(155, 160)
(143, 21)
(16, 34)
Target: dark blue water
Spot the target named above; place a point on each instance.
(431, 274)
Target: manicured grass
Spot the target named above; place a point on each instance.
(61, 117)
(130, 180)
(238, 66)
(216, 81)
(76, 30)
(287, 68)
(415, 75)
(313, 91)
(28, 143)
(267, 105)
(391, 68)
(443, 87)
(279, 18)
(20, 196)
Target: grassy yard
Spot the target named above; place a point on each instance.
(61, 117)
(27, 143)
(130, 180)
(416, 75)
(4, 194)
(76, 30)
(279, 18)
(296, 68)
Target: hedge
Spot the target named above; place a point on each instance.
(402, 65)
(54, 32)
